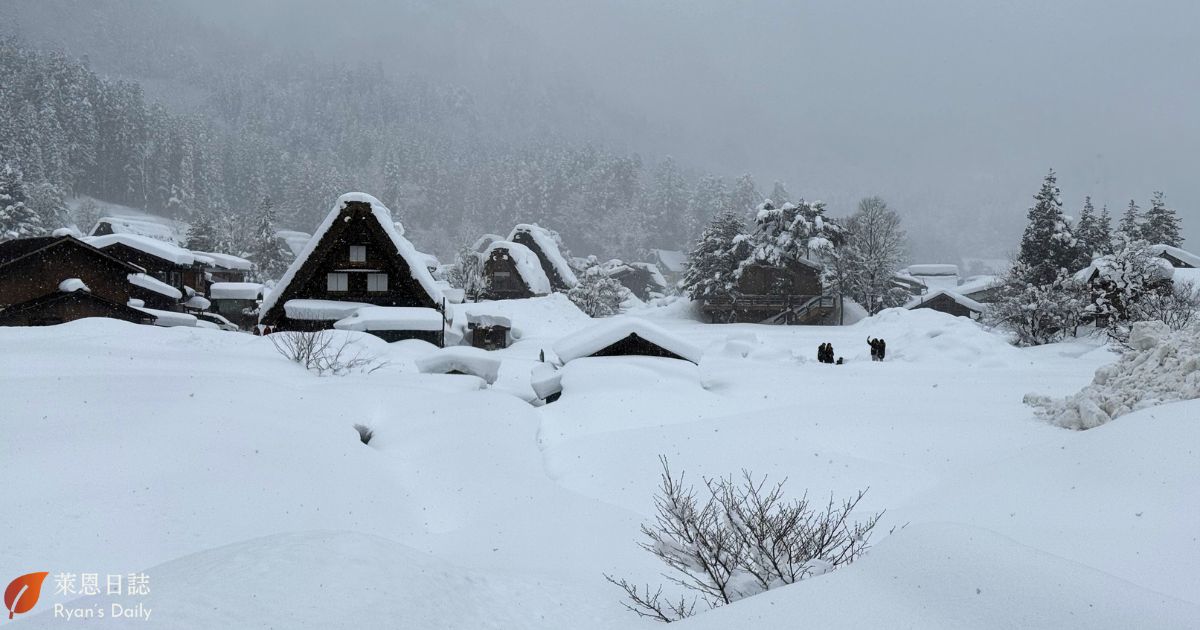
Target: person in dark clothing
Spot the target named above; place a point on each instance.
(874, 348)
(821, 353)
(882, 349)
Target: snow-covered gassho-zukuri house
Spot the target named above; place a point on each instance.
(513, 272)
(626, 336)
(949, 302)
(543, 243)
(355, 259)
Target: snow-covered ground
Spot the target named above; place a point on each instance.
(238, 484)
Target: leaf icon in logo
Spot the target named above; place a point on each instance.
(23, 592)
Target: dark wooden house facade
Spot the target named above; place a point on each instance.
(785, 294)
(512, 273)
(180, 271)
(352, 258)
(34, 267)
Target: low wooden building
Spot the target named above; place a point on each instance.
(1179, 258)
(644, 280)
(626, 336)
(951, 303)
(64, 306)
(488, 332)
(167, 262)
(785, 294)
(355, 258)
(544, 245)
(237, 301)
(512, 271)
(34, 267)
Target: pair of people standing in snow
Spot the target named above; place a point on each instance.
(825, 353)
(878, 348)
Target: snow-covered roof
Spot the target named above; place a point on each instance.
(294, 239)
(482, 243)
(155, 285)
(321, 310)
(429, 260)
(959, 298)
(675, 261)
(545, 242)
(933, 269)
(154, 247)
(655, 275)
(527, 263)
(979, 283)
(198, 302)
(139, 226)
(235, 290)
(463, 359)
(367, 318)
(488, 320)
(545, 380)
(227, 261)
(383, 216)
(1178, 254)
(169, 319)
(71, 285)
(1103, 265)
(598, 337)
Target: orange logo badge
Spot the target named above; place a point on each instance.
(23, 592)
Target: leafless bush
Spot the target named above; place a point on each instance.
(741, 539)
(364, 433)
(323, 352)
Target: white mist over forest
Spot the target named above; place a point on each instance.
(951, 111)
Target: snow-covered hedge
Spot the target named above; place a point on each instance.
(1161, 365)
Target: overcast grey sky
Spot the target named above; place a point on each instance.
(948, 108)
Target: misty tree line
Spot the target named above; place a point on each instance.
(303, 136)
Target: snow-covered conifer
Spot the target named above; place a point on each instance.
(270, 254)
(715, 261)
(1130, 227)
(1048, 245)
(1161, 225)
(17, 219)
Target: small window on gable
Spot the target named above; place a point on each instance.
(377, 282)
(337, 282)
(358, 253)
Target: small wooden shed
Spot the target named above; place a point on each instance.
(951, 303)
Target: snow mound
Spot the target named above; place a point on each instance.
(942, 575)
(71, 285)
(389, 318)
(600, 336)
(464, 359)
(928, 335)
(552, 316)
(1161, 366)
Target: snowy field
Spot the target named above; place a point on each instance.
(237, 482)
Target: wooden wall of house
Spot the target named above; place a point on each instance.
(504, 281)
(40, 273)
(165, 270)
(779, 281)
(68, 307)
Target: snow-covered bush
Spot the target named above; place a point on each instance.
(742, 539)
(324, 352)
(714, 264)
(1038, 314)
(597, 294)
(467, 274)
(1133, 285)
(1161, 365)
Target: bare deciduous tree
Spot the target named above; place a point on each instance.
(741, 539)
(323, 352)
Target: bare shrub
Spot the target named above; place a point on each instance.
(741, 539)
(323, 352)
(365, 433)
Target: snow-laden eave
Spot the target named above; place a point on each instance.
(154, 284)
(383, 216)
(1177, 253)
(598, 337)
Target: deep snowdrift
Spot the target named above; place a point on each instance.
(238, 483)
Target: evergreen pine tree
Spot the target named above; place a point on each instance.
(1086, 228)
(1048, 245)
(1104, 234)
(715, 262)
(1161, 225)
(17, 220)
(744, 198)
(1129, 229)
(779, 194)
(269, 253)
(202, 233)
